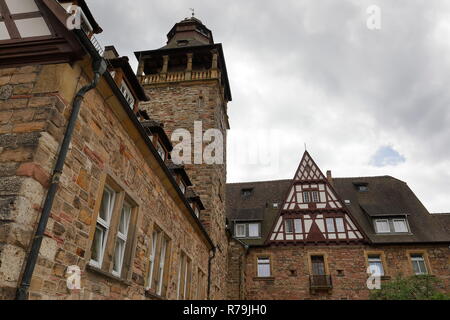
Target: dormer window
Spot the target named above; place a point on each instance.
(197, 211)
(361, 186)
(391, 225)
(21, 19)
(247, 230)
(247, 192)
(127, 94)
(182, 186)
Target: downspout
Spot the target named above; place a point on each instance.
(211, 256)
(99, 67)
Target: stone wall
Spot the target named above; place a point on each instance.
(237, 255)
(178, 106)
(34, 107)
(346, 264)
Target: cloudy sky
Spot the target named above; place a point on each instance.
(365, 102)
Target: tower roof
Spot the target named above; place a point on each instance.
(189, 32)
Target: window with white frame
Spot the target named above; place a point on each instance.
(306, 197)
(253, 230)
(375, 265)
(315, 196)
(330, 225)
(182, 186)
(298, 226)
(121, 241)
(197, 212)
(247, 230)
(263, 267)
(184, 277)
(400, 225)
(418, 264)
(382, 226)
(288, 226)
(340, 224)
(102, 227)
(156, 281)
(127, 94)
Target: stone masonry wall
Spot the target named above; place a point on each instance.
(290, 270)
(35, 103)
(237, 256)
(178, 105)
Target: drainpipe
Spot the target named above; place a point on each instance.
(211, 256)
(99, 67)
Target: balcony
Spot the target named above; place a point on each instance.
(179, 76)
(320, 283)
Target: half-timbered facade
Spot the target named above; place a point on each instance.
(319, 237)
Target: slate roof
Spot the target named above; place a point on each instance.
(386, 196)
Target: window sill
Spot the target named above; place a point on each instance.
(264, 278)
(152, 295)
(107, 275)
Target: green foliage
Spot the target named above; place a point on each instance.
(423, 287)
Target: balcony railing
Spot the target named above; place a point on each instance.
(317, 282)
(179, 76)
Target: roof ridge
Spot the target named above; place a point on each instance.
(250, 182)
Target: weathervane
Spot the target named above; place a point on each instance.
(193, 11)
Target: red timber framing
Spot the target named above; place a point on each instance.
(54, 44)
(313, 213)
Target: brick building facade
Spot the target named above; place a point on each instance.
(131, 222)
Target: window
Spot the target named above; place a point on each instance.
(158, 263)
(102, 227)
(240, 231)
(197, 212)
(418, 264)
(184, 277)
(340, 225)
(289, 226)
(315, 196)
(121, 242)
(161, 151)
(247, 192)
(400, 225)
(363, 188)
(264, 267)
(306, 197)
(330, 225)
(247, 230)
(298, 226)
(253, 230)
(375, 265)
(382, 226)
(21, 19)
(127, 94)
(275, 205)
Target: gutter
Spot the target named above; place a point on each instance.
(99, 67)
(213, 251)
(87, 44)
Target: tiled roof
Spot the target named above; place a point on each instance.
(386, 196)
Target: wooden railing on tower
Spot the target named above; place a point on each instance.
(179, 76)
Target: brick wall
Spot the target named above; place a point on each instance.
(178, 105)
(291, 270)
(34, 107)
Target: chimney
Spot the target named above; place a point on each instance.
(329, 177)
(110, 53)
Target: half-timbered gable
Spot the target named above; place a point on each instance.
(312, 210)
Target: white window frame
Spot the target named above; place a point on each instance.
(182, 186)
(382, 221)
(298, 227)
(127, 94)
(290, 223)
(405, 223)
(306, 197)
(161, 151)
(121, 241)
(258, 228)
(375, 260)
(340, 225)
(155, 236)
(162, 264)
(240, 235)
(315, 196)
(104, 225)
(263, 262)
(197, 211)
(330, 225)
(416, 258)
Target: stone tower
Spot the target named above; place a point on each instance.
(187, 82)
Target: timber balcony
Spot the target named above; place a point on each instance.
(179, 76)
(320, 282)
